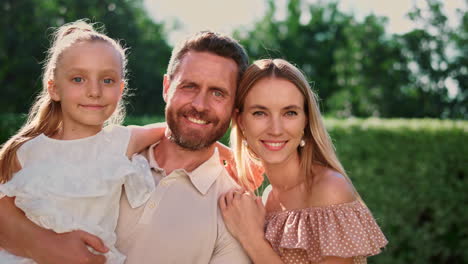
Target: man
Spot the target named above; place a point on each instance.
(181, 222)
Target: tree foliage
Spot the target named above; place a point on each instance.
(355, 65)
(26, 27)
(358, 69)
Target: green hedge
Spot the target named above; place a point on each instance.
(413, 176)
(412, 173)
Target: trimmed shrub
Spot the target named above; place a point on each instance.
(413, 176)
(412, 173)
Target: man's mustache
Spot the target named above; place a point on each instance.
(199, 115)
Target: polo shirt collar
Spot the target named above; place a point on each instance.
(202, 177)
(206, 174)
(152, 161)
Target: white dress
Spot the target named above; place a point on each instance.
(66, 185)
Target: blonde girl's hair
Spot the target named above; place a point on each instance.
(318, 148)
(45, 114)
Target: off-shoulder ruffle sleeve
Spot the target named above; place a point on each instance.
(308, 235)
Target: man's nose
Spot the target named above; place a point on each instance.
(199, 102)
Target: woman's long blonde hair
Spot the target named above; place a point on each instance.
(45, 114)
(318, 148)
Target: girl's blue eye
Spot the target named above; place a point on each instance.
(291, 113)
(77, 79)
(108, 81)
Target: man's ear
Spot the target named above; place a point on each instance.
(52, 90)
(166, 86)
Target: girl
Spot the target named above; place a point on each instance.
(312, 213)
(67, 164)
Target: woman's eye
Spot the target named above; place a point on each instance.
(77, 79)
(291, 113)
(108, 81)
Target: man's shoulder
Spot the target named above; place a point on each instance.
(145, 153)
(225, 182)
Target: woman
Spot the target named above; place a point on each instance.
(313, 213)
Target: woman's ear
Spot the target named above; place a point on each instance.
(52, 90)
(237, 115)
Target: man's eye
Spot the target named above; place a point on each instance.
(218, 93)
(258, 113)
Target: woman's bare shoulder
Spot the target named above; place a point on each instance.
(330, 187)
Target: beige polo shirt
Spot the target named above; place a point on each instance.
(181, 222)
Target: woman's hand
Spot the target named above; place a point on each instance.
(244, 215)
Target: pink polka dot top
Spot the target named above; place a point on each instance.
(311, 234)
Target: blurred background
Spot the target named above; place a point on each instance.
(365, 58)
(392, 77)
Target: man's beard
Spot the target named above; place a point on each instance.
(192, 139)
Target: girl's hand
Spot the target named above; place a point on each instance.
(225, 153)
(226, 158)
(254, 172)
(244, 215)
